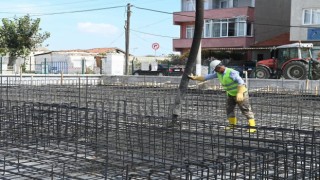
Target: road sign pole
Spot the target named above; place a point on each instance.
(155, 46)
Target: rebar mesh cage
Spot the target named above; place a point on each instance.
(124, 131)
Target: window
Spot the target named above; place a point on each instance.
(235, 3)
(232, 28)
(235, 27)
(311, 16)
(224, 28)
(216, 28)
(241, 24)
(283, 55)
(249, 29)
(207, 28)
(293, 53)
(189, 5)
(206, 4)
(305, 53)
(307, 16)
(253, 3)
(190, 31)
(316, 16)
(224, 4)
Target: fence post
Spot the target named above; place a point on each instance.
(132, 67)
(1, 64)
(45, 65)
(20, 76)
(309, 69)
(82, 65)
(246, 77)
(61, 80)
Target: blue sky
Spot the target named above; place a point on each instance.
(101, 28)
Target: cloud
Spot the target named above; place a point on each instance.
(98, 28)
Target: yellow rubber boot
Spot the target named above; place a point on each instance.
(252, 124)
(232, 123)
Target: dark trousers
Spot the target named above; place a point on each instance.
(244, 106)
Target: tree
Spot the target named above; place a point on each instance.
(20, 36)
(176, 59)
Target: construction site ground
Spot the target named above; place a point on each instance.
(115, 128)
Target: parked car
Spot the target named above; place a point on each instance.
(163, 70)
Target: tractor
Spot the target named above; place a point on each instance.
(292, 61)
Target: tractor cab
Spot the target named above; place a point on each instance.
(286, 53)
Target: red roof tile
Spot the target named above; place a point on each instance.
(275, 41)
(95, 50)
(101, 50)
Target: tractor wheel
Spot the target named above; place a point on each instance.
(315, 76)
(295, 70)
(316, 71)
(261, 73)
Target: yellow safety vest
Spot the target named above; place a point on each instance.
(228, 83)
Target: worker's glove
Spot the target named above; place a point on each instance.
(240, 95)
(198, 78)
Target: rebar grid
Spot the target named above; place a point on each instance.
(116, 132)
(279, 108)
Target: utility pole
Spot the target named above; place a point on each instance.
(127, 27)
(195, 47)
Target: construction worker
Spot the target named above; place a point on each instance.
(236, 90)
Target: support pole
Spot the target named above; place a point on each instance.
(127, 28)
(198, 65)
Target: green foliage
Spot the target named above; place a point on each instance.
(235, 55)
(24, 67)
(177, 60)
(185, 56)
(20, 36)
(102, 54)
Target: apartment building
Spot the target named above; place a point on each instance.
(252, 25)
(286, 21)
(305, 21)
(227, 23)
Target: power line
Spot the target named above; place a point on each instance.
(157, 22)
(147, 40)
(78, 11)
(48, 5)
(116, 39)
(136, 34)
(152, 10)
(152, 34)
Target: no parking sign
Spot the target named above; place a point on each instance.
(155, 46)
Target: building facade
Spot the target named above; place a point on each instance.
(305, 21)
(227, 23)
(66, 62)
(255, 25)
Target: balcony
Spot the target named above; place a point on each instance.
(230, 42)
(184, 17)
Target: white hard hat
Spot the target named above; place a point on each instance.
(214, 64)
